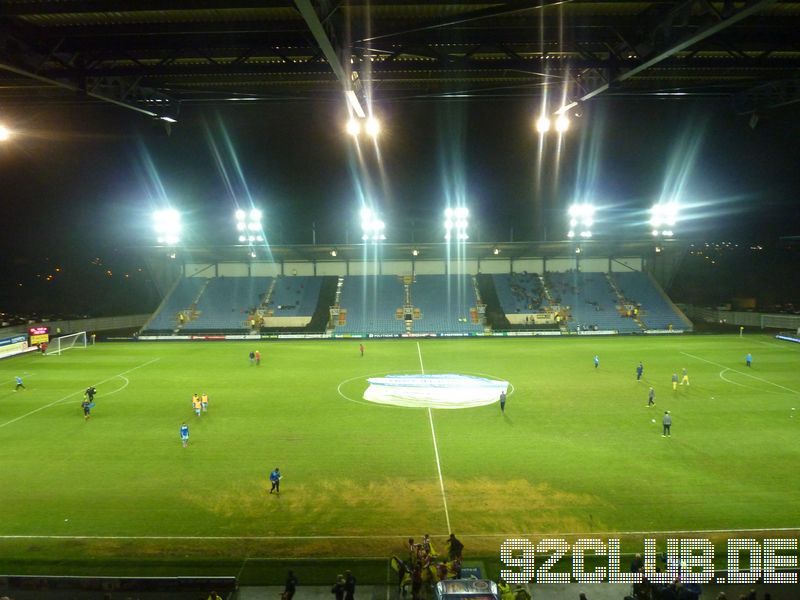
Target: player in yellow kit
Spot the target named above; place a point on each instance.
(196, 404)
(204, 401)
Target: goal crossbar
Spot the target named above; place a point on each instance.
(67, 342)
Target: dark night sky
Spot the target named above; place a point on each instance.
(79, 179)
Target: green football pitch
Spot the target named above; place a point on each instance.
(576, 452)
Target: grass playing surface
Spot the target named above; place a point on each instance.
(575, 452)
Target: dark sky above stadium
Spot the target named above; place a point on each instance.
(77, 178)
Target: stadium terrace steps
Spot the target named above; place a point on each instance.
(520, 292)
(591, 300)
(294, 296)
(179, 300)
(370, 303)
(445, 303)
(656, 309)
(227, 303)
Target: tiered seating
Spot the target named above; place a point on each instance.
(591, 300)
(227, 302)
(179, 300)
(444, 303)
(656, 312)
(295, 296)
(371, 303)
(520, 292)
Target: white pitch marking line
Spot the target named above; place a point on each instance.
(711, 362)
(436, 449)
(67, 397)
(390, 536)
(722, 376)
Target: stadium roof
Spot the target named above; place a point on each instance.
(150, 56)
(430, 251)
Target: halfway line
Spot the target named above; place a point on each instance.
(68, 396)
(711, 362)
(436, 450)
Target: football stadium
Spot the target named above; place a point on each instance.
(399, 300)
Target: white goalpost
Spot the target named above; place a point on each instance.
(66, 342)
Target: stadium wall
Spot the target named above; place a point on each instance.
(746, 319)
(74, 325)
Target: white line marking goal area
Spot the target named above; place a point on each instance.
(435, 449)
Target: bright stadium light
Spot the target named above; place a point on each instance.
(353, 127)
(5, 133)
(248, 224)
(581, 219)
(372, 127)
(543, 124)
(663, 217)
(456, 220)
(371, 226)
(167, 225)
(562, 123)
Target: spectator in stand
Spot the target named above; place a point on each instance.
(505, 590)
(338, 587)
(289, 587)
(349, 586)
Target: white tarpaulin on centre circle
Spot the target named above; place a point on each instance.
(434, 391)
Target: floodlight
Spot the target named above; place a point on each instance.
(371, 226)
(577, 250)
(240, 226)
(562, 123)
(253, 254)
(353, 127)
(655, 232)
(5, 133)
(255, 215)
(372, 127)
(664, 213)
(456, 219)
(240, 215)
(242, 238)
(658, 249)
(333, 253)
(496, 251)
(415, 252)
(542, 124)
(581, 219)
(167, 225)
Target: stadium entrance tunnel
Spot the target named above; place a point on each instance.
(445, 390)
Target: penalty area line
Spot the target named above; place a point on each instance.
(436, 450)
(68, 396)
(711, 362)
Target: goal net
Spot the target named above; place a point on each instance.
(67, 342)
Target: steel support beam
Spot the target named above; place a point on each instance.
(774, 94)
(474, 15)
(20, 58)
(704, 33)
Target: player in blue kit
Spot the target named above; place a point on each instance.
(185, 435)
(596, 361)
(275, 479)
(18, 379)
(639, 371)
